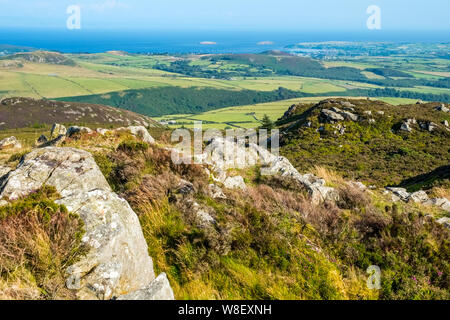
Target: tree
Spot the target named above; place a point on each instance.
(266, 123)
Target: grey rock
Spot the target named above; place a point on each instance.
(400, 192)
(442, 108)
(220, 150)
(346, 104)
(142, 133)
(117, 261)
(406, 127)
(349, 116)
(10, 143)
(159, 289)
(3, 203)
(185, 187)
(75, 129)
(443, 203)
(418, 197)
(331, 116)
(445, 123)
(236, 182)
(57, 130)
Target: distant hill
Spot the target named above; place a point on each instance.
(374, 148)
(42, 57)
(26, 112)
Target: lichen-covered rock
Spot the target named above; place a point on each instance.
(236, 182)
(159, 289)
(418, 196)
(223, 154)
(142, 133)
(57, 130)
(10, 143)
(117, 261)
(330, 116)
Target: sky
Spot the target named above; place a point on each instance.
(273, 15)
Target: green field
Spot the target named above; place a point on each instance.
(248, 116)
(115, 72)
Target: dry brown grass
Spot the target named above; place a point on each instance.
(38, 241)
(331, 177)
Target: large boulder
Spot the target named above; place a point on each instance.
(10, 143)
(117, 261)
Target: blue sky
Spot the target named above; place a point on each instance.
(274, 15)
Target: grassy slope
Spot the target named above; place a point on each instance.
(369, 152)
(270, 242)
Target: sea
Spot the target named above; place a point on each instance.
(182, 42)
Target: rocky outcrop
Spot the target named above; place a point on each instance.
(222, 154)
(327, 115)
(10, 143)
(418, 197)
(117, 261)
(335, 114)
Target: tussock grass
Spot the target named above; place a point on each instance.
(38, 241)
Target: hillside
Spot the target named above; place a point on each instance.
(172, 100)
(42, 57)
(25, 113)
(212, 231)
(371, 141)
